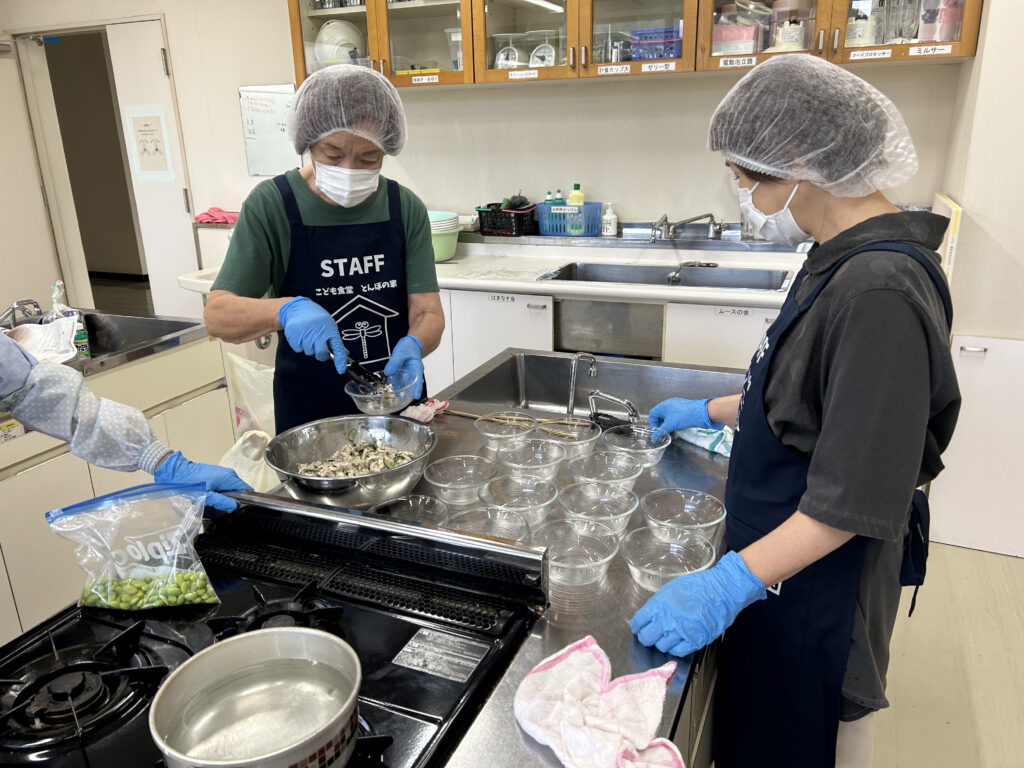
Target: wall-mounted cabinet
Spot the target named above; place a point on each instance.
(438, 42)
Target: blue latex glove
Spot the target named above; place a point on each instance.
(177, 469)
(679, 413)
(310, 329)
(407, 356)
(692, 610)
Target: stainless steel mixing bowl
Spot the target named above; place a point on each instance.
(318, 440)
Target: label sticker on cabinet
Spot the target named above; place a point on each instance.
(930, 50)
(731, 311)
(501, 297)
(11, 429)
(613, 69)
(880, 53)
(737, 61)
(522, 74)
(438, 653)
(658, 66)
(416, 79)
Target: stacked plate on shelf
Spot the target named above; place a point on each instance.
(444, 232)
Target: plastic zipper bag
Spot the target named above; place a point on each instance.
(136, 546)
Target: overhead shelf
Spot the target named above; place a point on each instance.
(409, 9)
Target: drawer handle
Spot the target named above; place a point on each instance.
(979, 350)
(536, 306)
(821, 41)
(835, 41)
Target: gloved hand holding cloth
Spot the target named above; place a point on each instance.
(694, 609)
(310, 329)
(677, 413)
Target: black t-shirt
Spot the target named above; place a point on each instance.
(863, 385)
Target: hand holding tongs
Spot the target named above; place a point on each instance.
(362, 375)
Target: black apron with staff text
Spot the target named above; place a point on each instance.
(357, 273)
(782, 662)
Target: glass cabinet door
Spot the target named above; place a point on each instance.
(427, 41)
(637, 37)
(897, 29)
(740, 33)
(525, 39)
(326, 32)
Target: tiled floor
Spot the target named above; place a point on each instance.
(956, 680)
(121, 297)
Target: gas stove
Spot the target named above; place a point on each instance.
(434, 617)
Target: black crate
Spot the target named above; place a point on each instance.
(498, 221)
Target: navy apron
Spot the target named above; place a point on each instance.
(357, 273)
(781, 664)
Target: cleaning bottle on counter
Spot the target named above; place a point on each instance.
(558, 199)
(548, 199)
(609, 223)
(577, 220)
(576, 196)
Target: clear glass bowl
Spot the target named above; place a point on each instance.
(491, 521)
(539, 458)
(577, 436)
(530, 496)
(457, 479)
(614, 467)
(637, 442)
(579, 551)
(377, 403)
(504, 428)
(602, 503)
(673, 512)
(414, 509)
(653, 561)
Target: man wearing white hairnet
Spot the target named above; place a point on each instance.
(333, 255)
(52, 398)
(848, 403)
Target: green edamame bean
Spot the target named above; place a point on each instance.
(178, 588)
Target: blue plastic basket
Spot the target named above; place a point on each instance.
(570, 220)
(659, 43)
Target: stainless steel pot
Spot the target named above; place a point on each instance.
(271, 698)
(319, 439)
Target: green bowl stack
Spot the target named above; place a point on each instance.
(444, 232)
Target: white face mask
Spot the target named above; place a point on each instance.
(345, 186)
(778, 227)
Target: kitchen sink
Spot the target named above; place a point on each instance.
(749, 278)
(538, 382)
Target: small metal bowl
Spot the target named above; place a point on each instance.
(530, 496)
(457, 479)
(503, 428)
(576, 436)
(674, 512)
(653, 561)
(534, 457)
(637, 442)
(319, 440)
(579, 551)
(414, 509)
(494, 522)
(612, 467)
(379, 403)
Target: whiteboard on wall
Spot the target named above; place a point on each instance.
(268, 151)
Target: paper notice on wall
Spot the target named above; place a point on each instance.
(147, 131)
(268, 151)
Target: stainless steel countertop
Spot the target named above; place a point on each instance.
(600, 610)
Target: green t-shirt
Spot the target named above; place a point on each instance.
(257, 255)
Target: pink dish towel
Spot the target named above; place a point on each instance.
(425, 411)
(217, 216)
(570, 703)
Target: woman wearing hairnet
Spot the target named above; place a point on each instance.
(52, 398)
(333, 254)
(848, 403)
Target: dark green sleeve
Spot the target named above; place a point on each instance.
(419, 248)
(258, 251)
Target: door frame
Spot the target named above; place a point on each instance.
(49, 148)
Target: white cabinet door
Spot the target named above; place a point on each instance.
(201, 428)
(713, 334)
(484, 324)
(44, 574)
(976, 500)
(439, 365)
(106, 481)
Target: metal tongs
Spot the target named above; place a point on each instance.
(363, 376)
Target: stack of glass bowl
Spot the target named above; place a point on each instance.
(444, 233)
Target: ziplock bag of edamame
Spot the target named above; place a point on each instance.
(136, 548)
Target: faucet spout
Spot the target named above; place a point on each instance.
(659, 226)
(714, 227)
(631, 410)
(592, 371)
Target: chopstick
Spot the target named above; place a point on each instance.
(512, 419)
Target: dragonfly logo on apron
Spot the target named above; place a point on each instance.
(363, 324)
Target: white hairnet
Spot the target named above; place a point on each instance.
(800, 117)
(347, 97)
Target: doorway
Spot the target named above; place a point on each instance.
(86, 105)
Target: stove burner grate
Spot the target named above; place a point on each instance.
(306, 608)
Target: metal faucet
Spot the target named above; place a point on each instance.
(27, 307)
(572, 377)
(660, 225)
(714, 227)
(595, 394)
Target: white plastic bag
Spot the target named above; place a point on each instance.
(246, 458)
(48, 342)
(251, 391)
